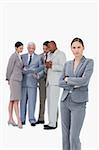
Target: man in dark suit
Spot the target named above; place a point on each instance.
(42, 84)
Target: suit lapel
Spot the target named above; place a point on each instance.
(79, 66)
(26, 58)
(71, 68)
(33, 59)
(42, 58)
(21, 63)
(53, 55)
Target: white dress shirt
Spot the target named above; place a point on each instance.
(29, 56)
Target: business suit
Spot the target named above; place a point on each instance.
(29, 86)
(14, 76)
(42, 91)
(73, 101)
(53, 74)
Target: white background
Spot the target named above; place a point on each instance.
(39, 22)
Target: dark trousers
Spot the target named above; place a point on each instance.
(42, 96)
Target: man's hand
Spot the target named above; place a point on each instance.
(66, 78)
(35, 75)
(48, 64)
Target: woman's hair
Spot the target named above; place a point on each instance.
(46, 43)
(77, 40)
(18, 44)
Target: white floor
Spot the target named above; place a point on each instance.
(33, 138)
(36, 138)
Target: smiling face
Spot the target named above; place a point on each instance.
(52, 46)
(77, 49)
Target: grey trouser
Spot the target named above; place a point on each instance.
(72, 117)
(28, 95)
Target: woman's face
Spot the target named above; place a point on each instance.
(19, 49)
(77, 49)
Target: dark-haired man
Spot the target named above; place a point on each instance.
(42, 85)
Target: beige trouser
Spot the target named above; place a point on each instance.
(53, 93)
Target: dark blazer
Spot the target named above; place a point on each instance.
(43, 63)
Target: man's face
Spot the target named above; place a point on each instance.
(31, 49)
(51, 47)
(45, 49)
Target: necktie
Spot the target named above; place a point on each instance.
(46, 55)
(30, 60)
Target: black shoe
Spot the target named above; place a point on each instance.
(49, 128)
(56, 124)
(40, 122)
(33, 124)
(46, 125)
(23, 123)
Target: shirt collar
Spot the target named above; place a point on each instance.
(46, 53)
(29, 55)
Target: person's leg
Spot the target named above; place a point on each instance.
(10, 110)
(48, 100)
(32, 94)
(65, 123)
(42, 93)
(23, 105)
(53, 107)
(77, 118)
(16, 108)
(10, 107)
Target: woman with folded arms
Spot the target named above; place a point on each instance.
(14, 78)
(74, 81)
